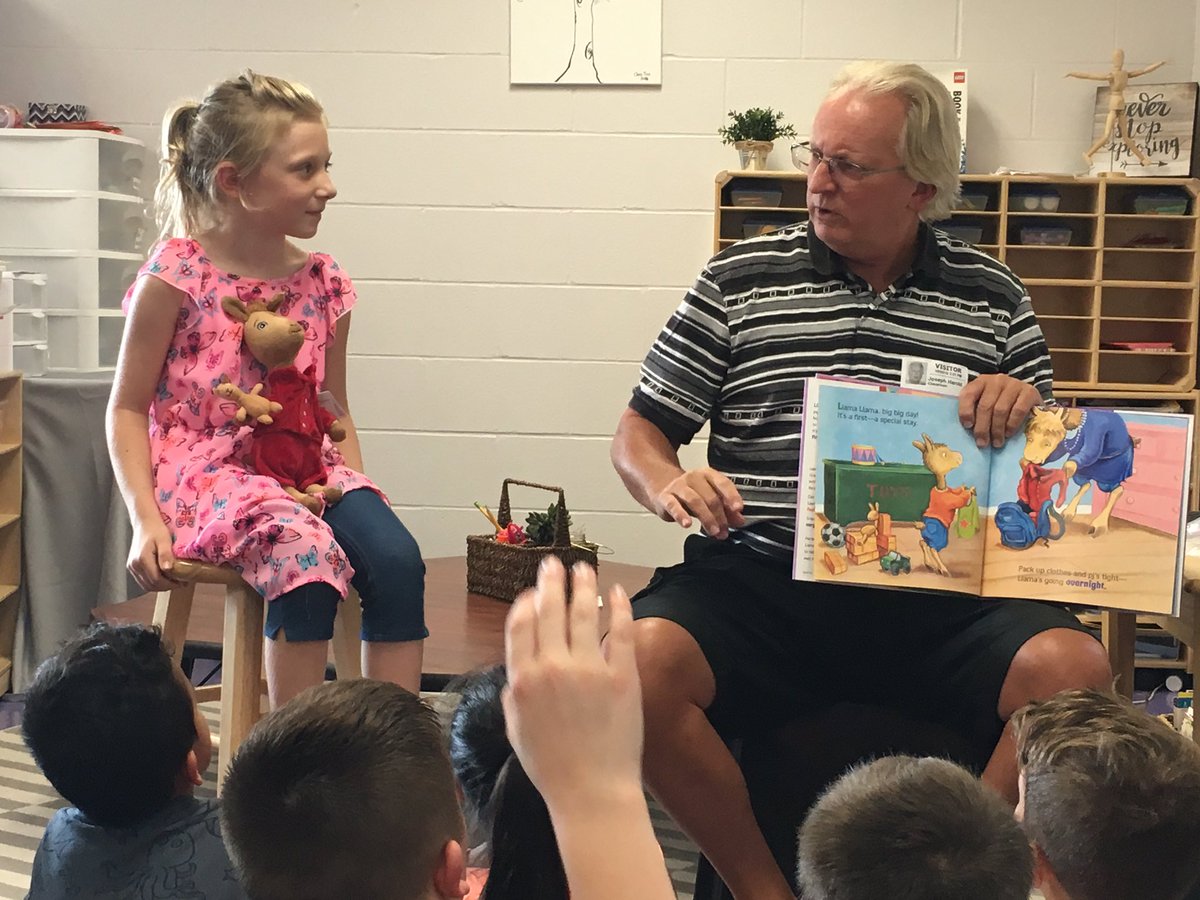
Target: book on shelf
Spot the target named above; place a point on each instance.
(1144, 346)
(1085, 506)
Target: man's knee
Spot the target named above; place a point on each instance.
(1056, 660)
(671, 665)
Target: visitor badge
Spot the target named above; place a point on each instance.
(932, 375)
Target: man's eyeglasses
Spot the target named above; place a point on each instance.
(805, 157)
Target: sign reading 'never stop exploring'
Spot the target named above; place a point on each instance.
(1161, 121)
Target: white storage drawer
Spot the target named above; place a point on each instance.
(29, 326)
(73, 161)
(63, 220)
(29, 289)
(79, 282)
(83, 341)
(30, 358)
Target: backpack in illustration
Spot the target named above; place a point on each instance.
(1018, 529)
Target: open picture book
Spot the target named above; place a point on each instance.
(1086, 506)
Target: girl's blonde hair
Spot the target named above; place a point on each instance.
(237, 120)
(929, 141)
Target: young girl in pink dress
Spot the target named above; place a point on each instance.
(244, 170)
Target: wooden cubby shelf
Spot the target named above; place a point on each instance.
(1121, 276)
(10, 517)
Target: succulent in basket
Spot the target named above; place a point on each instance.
(540, 527)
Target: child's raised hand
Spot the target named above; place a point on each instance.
(573, 711)
(574, 717)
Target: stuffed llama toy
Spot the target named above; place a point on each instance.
(292, 424)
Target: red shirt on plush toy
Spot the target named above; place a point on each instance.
(292, 424)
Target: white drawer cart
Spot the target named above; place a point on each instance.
(71, 206)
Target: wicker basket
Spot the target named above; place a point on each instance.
(504, 570)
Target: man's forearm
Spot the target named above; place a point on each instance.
(644, 458)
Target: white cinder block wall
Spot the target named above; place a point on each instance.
(516, 249)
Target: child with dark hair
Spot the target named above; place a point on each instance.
(114, 727)
(508, 823)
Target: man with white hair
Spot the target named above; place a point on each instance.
(726, 642)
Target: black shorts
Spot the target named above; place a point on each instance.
(779, 647)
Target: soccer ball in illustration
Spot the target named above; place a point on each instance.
(833, 534)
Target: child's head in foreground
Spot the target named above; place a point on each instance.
(114, 726)
(504, 808)
(922, 829)
(1110, 797)
(345, 791)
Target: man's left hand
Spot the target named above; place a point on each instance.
(993, 407)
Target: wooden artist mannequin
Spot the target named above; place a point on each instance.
(1117, 80)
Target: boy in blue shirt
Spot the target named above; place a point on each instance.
(114, 727)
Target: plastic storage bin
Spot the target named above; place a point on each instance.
(974, 201)
(757, 197)
(754, 226)
(1033, 200)
(83, 342)
(29, 290)
(1046, 235)
(1161, 203)
(30, 358)
(70, 161)
(72, 222)
(29, 326)
(80, 281)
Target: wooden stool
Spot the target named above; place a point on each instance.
(241, 688)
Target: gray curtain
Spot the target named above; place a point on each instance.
(75, 530)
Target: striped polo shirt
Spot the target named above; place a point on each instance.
(771, 311)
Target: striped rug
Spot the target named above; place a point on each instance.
(27, 802)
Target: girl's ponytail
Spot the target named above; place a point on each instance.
(176, 198)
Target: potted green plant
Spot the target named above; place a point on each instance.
(753, 133)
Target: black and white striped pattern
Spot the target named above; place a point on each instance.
(771, 311)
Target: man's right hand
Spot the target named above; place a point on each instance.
(704, 494)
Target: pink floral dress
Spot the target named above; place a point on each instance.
(217, 508)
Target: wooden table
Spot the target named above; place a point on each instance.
(466, 630)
